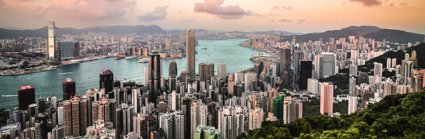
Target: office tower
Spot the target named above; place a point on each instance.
(292, 109)
(190, 53)
(51, 42)
(352, 86)
(135, 99)
(305, 74)
(106, 81)
(84, 114)
(26, 96)
(230, 85)
(325, 65)
(168, 42)
(76, 49)
(67, 117)
(285, 66)
(202, 70)
(377, 72)
(277, 106)
(209, 71)
(222, 71)
(353, 70)
(154, 77)
(173, 75)
(68, 87)
(352, 104)
(326, 98)
(249, 77)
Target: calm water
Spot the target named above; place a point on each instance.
(86, 74)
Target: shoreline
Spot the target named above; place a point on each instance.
(46, 67)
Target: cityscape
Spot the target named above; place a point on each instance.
(212, 69)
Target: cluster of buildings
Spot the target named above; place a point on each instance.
(193, 104)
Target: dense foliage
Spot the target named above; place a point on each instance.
(400, 116)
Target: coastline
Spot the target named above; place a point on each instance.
(46, 67)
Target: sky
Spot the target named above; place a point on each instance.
(302, 16)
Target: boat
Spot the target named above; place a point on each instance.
(130, 57)
(144, 60)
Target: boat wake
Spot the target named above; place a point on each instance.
(9, 95)
(65, 73)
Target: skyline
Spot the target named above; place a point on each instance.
(231, 15)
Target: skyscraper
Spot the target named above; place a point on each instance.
(106, 81)
(222, 71)
(285, 66)
(155, 76)
(305, 74)
(26, 96)
(68, 87)
(326, 98)
(190, 53)
(51, 42)
(325, 65)
(202, 70)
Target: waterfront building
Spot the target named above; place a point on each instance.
(190, 53)
(26, 96)
(106, 81)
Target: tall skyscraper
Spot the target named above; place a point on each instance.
(377, 72)
(26, 96)
(292, 109)
(305, 74)
(352, 104)
(51, 42)
(106, 81)
(68, 87)
(155, 76)
(285, 66)
(326, 98)
(173, 75)
(222, 71)
(190, 53)
(209, 71)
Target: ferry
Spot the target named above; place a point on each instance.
(144, 60)
(130, 57)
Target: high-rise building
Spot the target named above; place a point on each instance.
(202, 70)
(26, 96)
(277, 106)
(222, 71)
(209, 71)
(292, 109)
(190, 53)
(51, 42)
(207, 132)
(377, 72)
(106, 81)
(68, 87)
(154, 77)
(352, 104)
(305, 74)
(325, 65)
(168, 43)
(353, 70)
(326, 98)
(285, 66)
(313, 86)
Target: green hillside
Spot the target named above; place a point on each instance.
(400, 116)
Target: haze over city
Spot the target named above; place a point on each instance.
(301, 16)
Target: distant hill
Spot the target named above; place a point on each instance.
(42, 32)
(363, 31)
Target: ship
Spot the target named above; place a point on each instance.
(144, 60)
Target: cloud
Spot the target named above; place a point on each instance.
(215, 7)
(287, 7)
(368, 3)
(284, 20)
(300, 21)
(402, 4)
(78, 9)
(187, 20)
(158, 13)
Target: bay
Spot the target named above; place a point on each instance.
(86, 75)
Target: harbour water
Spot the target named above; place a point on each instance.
(86, 74)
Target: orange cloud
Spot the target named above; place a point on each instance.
(215, 7)
(368, 2)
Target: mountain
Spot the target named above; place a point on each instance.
(42, 32)
(396, 116)
(363, 31)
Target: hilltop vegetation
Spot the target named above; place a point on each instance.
(397, 116)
